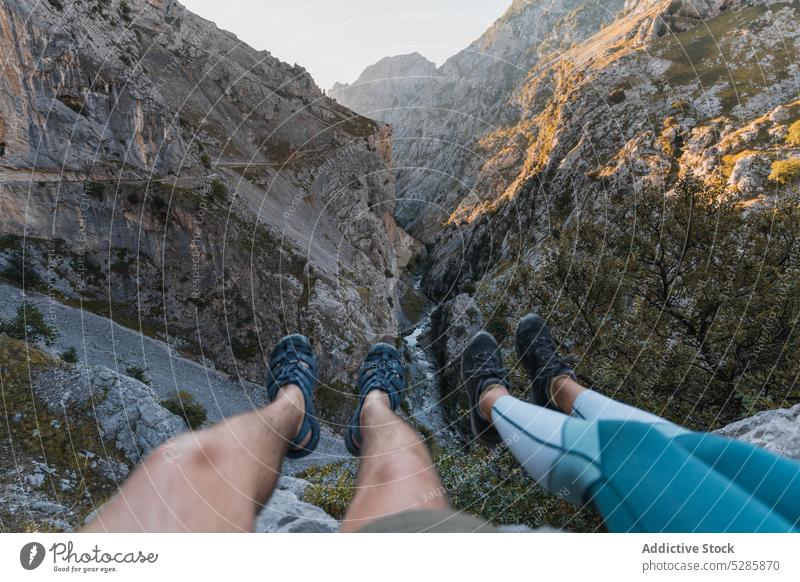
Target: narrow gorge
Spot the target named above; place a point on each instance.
(173, 202)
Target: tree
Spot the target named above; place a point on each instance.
(681, 303)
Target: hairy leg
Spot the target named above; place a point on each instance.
(211, 480)
(396, 472)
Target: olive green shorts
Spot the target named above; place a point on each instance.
(426, 521)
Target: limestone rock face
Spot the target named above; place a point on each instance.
(438, 115)
(749, 174)
(559, 104)
(464, 320)
(775, 430)
(391, 82)
(191, 187)
(286, 513)
(127, 411)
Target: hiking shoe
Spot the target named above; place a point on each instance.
(382, 370)
(481, 367)
(537, 353)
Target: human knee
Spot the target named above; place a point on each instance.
(190, 452)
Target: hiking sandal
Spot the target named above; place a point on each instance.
(382, 370)
(293, 362)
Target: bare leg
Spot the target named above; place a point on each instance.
(534, 434)
(212, 480)
(396, 471)
(576, 400)
(565, 391)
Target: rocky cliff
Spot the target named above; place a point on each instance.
(439, 114)
(158, 171)
(629, 169)
(587, 166)
(566, 100)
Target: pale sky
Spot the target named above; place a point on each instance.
(336, 39)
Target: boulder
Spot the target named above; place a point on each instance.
(286, 513)
(464, 320)
(775, 430)
(749, 175)
(127, 411)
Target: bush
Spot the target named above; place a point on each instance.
(332, 488)
(793, 137)
(94, 189)
(121, 264)
(29, 325)
(21, 273)
(138, 374)
(125, 11)
(219, 193)
(184, 405)
(246, 348)
(158, 205)
(785, 171)
(70, 356)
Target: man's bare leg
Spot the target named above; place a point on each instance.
(211, 480)
(396, 471)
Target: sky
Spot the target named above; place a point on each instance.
(337, 39)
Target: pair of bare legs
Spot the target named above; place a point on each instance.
(218, 479)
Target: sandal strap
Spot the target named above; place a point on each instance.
(382, 370)
(293, 362)
(384, 374)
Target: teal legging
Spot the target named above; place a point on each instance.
(645, 474)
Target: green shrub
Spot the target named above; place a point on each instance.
(121, 263)
(138, 374)
(158, 205)
(125, 11)
(29, 325)
(785, 171)
(498, 324)
(493, 486)
(332, 487)
(184, 405)
(219, 193)
(246, 348)
(94, 189)
(21, 273)
(70, 356)
(793, 137)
